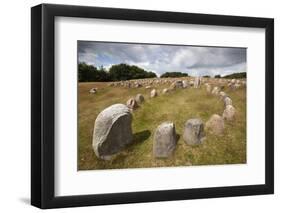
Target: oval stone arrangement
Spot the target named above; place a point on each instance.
(112, 131)
(113, 126)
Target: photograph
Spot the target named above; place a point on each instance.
(144, 105)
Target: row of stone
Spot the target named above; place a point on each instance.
(233, 83)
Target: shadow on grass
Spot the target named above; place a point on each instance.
(140, 137)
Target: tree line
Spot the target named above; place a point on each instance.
(119, 72)
(173, 75)
(236, 75)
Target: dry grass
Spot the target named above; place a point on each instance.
(178, 106)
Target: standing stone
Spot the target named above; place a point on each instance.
(193, 131)
(165, 91)
(112, 131)
(164, 140)
(197, 82)
(208, 88)
(153, 93)
(215, 124)
(139, 98)
(222, 95)
(227, 101)
(185, 84)
(229, 113)
(179, 84)
(215, 91)
(132, 104)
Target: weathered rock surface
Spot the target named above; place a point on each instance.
(112, 131)
(229, 113)
(139, 98)
(153, 93)
(215, 124)
(164, 140)
(193, 131)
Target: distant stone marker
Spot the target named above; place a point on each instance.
(112, 131)
(153, 93)
(93, 90)
(193, 131)
(229, 113)
(164, 140)
(215, 124)
(139, 98)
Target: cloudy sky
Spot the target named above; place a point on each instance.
(194, 60)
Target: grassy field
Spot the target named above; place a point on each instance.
(177, 106)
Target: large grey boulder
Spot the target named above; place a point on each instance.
(164, 140)
(112, 131)
(215, 124)
(193, 131)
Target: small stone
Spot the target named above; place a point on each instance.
(153, 93)
(197, 82)
(222, 95)
(165, 91)
(227, 101)
(164, 140)
(229, 113)
(208, 88)
(132, 104)
(193, 131)
(215, 124)
(215, 91)
(185, 84)
(139, 98)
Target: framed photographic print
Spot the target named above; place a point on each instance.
(140, 106)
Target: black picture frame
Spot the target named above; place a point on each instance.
(43, 117)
